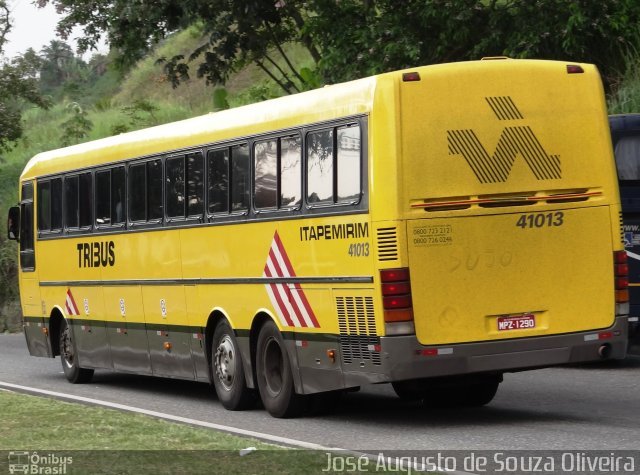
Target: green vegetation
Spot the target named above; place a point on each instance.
(107, 441)
(133, 443)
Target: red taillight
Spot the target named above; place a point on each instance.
(411, 77)
(574, 69)
(397, 301)
(396, 288)
(394, 275)
(396, 295)
(621, 276)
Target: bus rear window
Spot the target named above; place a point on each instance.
(628, 158)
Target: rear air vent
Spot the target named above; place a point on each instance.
(387, 244)
(621, 228)
(358, 340)
(507, 199)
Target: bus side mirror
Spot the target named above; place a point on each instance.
(13, 224)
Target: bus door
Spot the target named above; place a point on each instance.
(35, 329)
(625, 132)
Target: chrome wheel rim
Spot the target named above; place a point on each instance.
(66, 348)
(225, 362)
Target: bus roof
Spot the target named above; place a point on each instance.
(330, 102)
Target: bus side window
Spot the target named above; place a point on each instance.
(349, 164)
(44, 206)
(137, 192)
(154, 190)
(103, 197)
(320, 167)
(27, 255)
(56, 204)
(71, 205)
(218, 181)
(290, 172)
(85, 198)
(175, 187)
(118, 195)
(240, 178)
(266, 169)
(195, 184)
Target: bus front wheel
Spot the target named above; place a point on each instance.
(228, 371)
(274, 374)
(69, 357)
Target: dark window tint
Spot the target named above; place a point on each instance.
(320, 167)
(175, 187)
(110, 185)
(240, 178)
(44, 206)
(117, 195)
(27, 256)
(218, 181)
(71, 205)
(85, 200)
(154, 190)
(195, 184)
(348, 164)
(137, 192)
(266, 170)
(103, 197)
(56, 204)
(628, 158)
(145, 191)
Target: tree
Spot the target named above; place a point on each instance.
(354, 38)
(18, 84)
(236, 32)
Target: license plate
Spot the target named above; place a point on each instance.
(516, 322)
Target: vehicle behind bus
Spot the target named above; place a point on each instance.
(433, 228)
(625, 133)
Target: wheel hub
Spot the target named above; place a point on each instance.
(225, 362)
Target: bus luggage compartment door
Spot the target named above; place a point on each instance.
(511, 275)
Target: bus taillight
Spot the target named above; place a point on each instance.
(621, 276)
(396, 300)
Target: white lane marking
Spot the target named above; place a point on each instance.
(171, 417)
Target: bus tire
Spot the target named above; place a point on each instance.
(69, 357)
(274, 375)
(228, 370)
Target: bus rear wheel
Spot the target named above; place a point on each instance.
(69, 357)
(274, 374)
(228, 370)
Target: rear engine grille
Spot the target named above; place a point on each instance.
(357, 324)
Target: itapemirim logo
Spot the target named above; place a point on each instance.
(514, 140)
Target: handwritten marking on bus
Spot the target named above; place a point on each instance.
(433, 235)
(541, 220)
(96, 254)
(334, 231)
(359, 249)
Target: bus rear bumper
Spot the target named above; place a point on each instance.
(403, 357)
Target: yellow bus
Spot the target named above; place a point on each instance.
(432, 228)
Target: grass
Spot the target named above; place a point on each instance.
(108, 441)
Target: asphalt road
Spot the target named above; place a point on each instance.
(575, 408)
